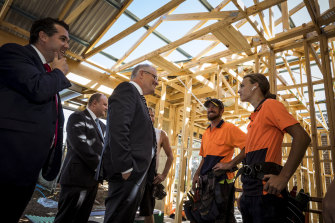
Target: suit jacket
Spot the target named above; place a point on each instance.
(130, 135)
(28, 116)
(84, 147)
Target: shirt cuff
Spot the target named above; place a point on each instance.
(127, 171)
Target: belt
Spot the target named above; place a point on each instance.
(258, 170)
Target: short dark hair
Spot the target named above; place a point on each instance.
(46, 25)
(263, 84)
(94, 97)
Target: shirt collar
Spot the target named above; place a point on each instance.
(218, 125)
(259, 105)
(137, 87)
(44, 61)
(91, 113)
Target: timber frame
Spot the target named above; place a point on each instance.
(183, 86)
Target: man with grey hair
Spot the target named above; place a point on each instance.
(128, 160)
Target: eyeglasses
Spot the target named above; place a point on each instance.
(154, 76)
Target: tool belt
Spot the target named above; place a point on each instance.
(295, 207)
(258, 170)
(202, 207)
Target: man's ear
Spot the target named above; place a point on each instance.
(42, 36)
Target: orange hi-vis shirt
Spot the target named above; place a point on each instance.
(265, 136)
(219, 143)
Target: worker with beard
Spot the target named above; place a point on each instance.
(217, 149)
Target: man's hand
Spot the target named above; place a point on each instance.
(159, 178)
(222, 166)
(60, 63)
(125, 176)
(195, 181)
(275, 184)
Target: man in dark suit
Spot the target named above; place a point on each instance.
(130, 145)
(85, 134)
(31, 118)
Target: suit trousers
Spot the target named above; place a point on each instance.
(14, 200)
(75, 203)
(123, 199)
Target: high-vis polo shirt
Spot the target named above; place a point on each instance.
(265, 136)
(218, 145)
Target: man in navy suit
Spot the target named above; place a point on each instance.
(31, 120)
(85, 134)
(128, 160)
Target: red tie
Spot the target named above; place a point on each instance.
(48, 69)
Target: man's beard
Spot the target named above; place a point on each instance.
(213, 117)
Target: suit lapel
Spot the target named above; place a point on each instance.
(94, 124)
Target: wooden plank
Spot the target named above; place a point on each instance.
(183, 151)
(329, 92)
(135, 27)
(164, 64)
(109, 24)
(271, 22)
(65, 9)
(161, 107)
(206, 50)
(315, 56)
(213, 15)
(261, 17)
(77, 11)
(251, 20)
(291, 12)
(285, 16)
(138, 42)
(272, 72)
(316, 157)
(313, 13)
(249, 11)
(292, 33)
(5, 8)
(327, 17)
(201, 23)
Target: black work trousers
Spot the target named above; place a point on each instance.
(263, 209)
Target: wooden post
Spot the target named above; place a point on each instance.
(184, 149)
(329, 92)
(272, 72)
(189, 153)
(316, 156)
(173, 113)
(161, 107)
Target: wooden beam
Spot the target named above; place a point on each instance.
(77, 11)
(201, 23)
(5, 8)
(65, 9)
(139, 41)
(172, 4)
(291, 12)
(183, 150)
(109, 24)
(261, 17)
(251, 20)
(316, 157)
(249, 11)
(329, 92)
(161, 107)
(310, 5)
(285, 16)
(272, 72)
(213, 15)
